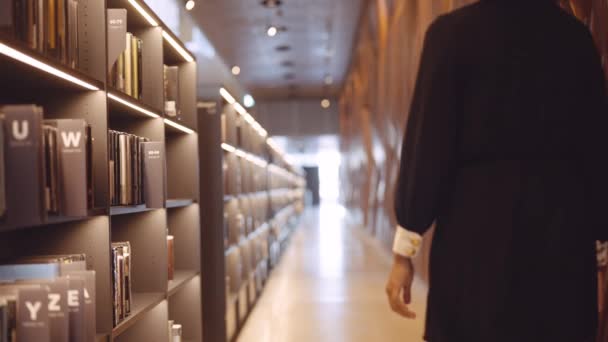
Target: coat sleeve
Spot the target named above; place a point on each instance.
(596, 157)
(428, 150)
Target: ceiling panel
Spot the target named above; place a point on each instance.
(319, 32)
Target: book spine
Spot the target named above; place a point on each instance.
(90, 168)
(72, 135)
(128, 60)
(62, 22)
(121, 73)
(89, 296)
(72, 33)
(33, 315)
(117, 288)
(2, 170)
(135, 67)
(170, 256)
(30, 24)
(50, 149)
(76, 308)
(154, 171)
(25, 172)
(7, 21)
(59, 323)
(122, 151)
(129, 169)
(140, 67)
(127, 279)
(51, 39)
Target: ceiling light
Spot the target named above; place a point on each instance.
(248, 101)
(21, 57)
(272, 3)
(236, 70)
(133, 106)
(329, 80)
(226, 95)
(178, 126)
(190, 5)
(178, 47)
(272, 31)
(325, 103)
(143, 13)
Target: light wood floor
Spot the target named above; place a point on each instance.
(330, 287)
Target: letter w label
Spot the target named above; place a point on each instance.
(71, 139)
(21, 133)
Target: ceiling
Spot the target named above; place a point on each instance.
(320, 34)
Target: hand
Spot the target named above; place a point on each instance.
(399, 286)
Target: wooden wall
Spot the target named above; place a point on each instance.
(375, 100)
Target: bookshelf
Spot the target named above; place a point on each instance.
(29, 77)
(250, 213)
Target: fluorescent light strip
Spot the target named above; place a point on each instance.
(226, 95)
(188, 57)
(228, 148)
(21, 57)
(143, 13)
(178, 126)
(240, 109)
(133, 106)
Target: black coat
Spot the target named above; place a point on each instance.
(505, 149)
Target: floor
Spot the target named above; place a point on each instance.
(330, 287)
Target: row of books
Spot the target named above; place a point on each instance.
(241, 175)
(236, 131)
(126, 74)
(47, 26)
(121, 280)
(47, 299)
(45, 166)
(137, 170)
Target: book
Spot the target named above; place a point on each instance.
(154, 174)
(25, 173)
(117, 288)
(72, 32)
(72, 174)
(128, 61)
(89, 297)
(32, 314)
(52, 169)
(170, 257)
(76, 310)
(171, 90)
(123, 164)
(140, 67)
(134, 67)
(176, 333)
(58, 310)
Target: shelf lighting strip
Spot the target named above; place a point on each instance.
(243, 112)
(187, 56)
(21, 57)
(143, 13)
(254, 159)
(133, 106)
(178, 126)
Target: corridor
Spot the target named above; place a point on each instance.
(329, 287)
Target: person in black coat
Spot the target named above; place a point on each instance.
(505, 149)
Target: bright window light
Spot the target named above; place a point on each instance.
(133, 106)
(177, 47)
(178, 126)
(143, 13)
(21, 57)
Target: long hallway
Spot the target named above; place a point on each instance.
(330, 287)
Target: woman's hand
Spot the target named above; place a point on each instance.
(399, 286)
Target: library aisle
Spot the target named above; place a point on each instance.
(329, 286)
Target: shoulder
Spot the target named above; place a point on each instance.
(449, 24)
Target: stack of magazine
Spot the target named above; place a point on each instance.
(126, 174)
(126, 73)
(47, 168)
(47, 299)
(121, 280)
(47, 26)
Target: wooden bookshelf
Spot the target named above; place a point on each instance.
(29, 77)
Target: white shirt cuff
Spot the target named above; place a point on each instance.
(407, 243)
